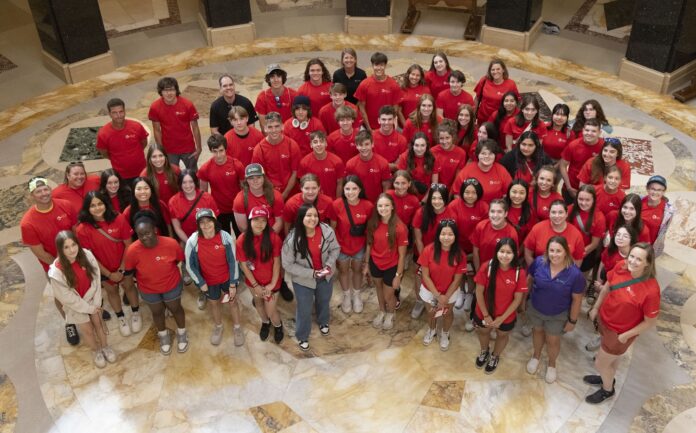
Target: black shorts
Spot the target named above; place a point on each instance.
(387, 275)
(506, 327)
(591, 260)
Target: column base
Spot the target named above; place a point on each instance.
(660, 82)
(511, 39)
(82, 70)
(216, 36)
(368, 25)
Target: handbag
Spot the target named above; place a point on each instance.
(356, 230)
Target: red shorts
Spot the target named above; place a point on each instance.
(610, 341)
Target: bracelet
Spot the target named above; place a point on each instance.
(571, 321)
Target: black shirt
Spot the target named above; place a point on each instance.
(352, 83)
(220, 110)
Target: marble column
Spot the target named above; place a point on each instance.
(661, 53)
(73, 39)
(512, 24)
(226, 21)
(368, 17)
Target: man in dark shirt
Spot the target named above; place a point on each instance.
(220, 108)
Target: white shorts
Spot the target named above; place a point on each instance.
(428, 297)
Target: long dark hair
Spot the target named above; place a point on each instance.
(468, 136)
(375, 219)
(428, 158)
(86, 217)
(155, 208)
(500, 115)
(300, 243)
(266, 245)
(598, 168)
(81, 259)
(563, 109)
(537, 158)
(576, 207)
(455, 253)
(526, 100)
(169, 172)
(356, 180)
(428, 211)
(124, 191)
(535, 188)
(526, 213)
(493, 270)
(417, 118)
(637, 223)
(473, 182)
(580, 117)
(613, 248)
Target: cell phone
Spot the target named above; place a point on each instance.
(225, 298)
(324, 272)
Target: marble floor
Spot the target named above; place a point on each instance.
(357, 379)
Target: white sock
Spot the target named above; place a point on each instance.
(181, 331)
(162, 333)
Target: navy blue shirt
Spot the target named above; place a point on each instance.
(552, 296)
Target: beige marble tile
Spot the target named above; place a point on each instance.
(445, 395)
(8, 403)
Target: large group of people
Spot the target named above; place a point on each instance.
(357, 179)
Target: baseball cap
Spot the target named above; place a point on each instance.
(657, 179)
(37, 182)
(204, 213)
(300, 100)
(253, 169)
(259, 211)
(273, 67)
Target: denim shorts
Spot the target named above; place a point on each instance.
(357, 256)
(215, 291)
(156, 298)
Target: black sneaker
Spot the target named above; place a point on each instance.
(482, 358)
(278, 333)
(125, 299)
(594, 379)
(324, 329)
(71, 334)
(265, 330)
(286, 293)
(106, 315)
(599, 396)
(304, 345)
(492, 364)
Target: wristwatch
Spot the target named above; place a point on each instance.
(398, 274)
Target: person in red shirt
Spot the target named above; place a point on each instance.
(122, 141)
(657, 212)
(466, 126)
(317, 82)
(616, 252)
(279, 155)
(115, 189)
(162, 174)
(419, 161)
(175, 124)
(388, 142)
(519, 210)
(154, 261)
(491, 88)
(585, 216)
(526, 120)
(594, 170)
(405, 196)
(242, 138)
(277, 98)
(258, 254)
(350, 214)
(485, 131)
(557, 132)
(493, 176)
(468, 210)
(412, 88)
(144, 198)
(107, 234)
(443, 266)
(302, 124)
(449, 100)
(76, 184)
(372, 169)
(437, 77)
(527, 158)
(327, 166)
(257, 190)
(609, 195)
(627, 307)
(327, 113)
(309, 193)
(342, 141)
(556, 225)
(576, 154)
(423, 119)
(385, 257)
(500, 285)
(223, 174)
(489, 232)
(629, 214)
(508, 109)
(543, 192)
(590, 109)
(184, 205)
(376, 91)
(449, 159)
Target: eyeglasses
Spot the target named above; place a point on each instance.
(279, 103)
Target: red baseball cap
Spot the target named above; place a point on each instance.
(259, 211)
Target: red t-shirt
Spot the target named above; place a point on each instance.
(266, 103)
(82, 281)
(376, 94)
(406, 206)
(485, 237)
(507, 283)
(652, 217)
(155, 268)
(41, 228)
(381, 254)
(437, 83)
(543, 204)
(448, 163)
(514, 217)
(329, 171)
(511, 128)
(440, 271)
(585, 175)
(539, 236)
(318, 95)
(410, 130)
(213, 260)
(109, 253)
(224, 181)
(116, 203)
(175, 121)
(428, 236)
(124, 147)
(361, 212)
(492, 96)
(327, 115)
(342, 145)
(242, 148)
(495, 182)
(179, 205)
(165, 191)
(301, 136)
(389, 146)
(372, 173)
(324, 207)
(598, 228)
(276, 210)
(643, 236)
(450, 103)
(314, 247)
(608, 202)
(278, 160)
(410, 97)
(624, 309)
(467, 218)
(501, 127)
(418, 172)
(163, 206)
(262, 271)
(554, 142)
(576, 153)
(610, 260)
(76, 196)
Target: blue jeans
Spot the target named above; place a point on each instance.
(305, 297)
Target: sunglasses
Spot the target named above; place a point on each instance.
(278, 102)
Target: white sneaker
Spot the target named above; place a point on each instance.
(378, 320)
(594, 344)
(109, 354)
(346, 302)
(136, 322)
(469, 326)
(550, 375)
(216, 336)
(526, 330)
(388, 321)
(357, 302)
(444, 341)
(532, 365)
(468, 301)
(99, 359)
(459, 303)
(418, 308)
(429, 335)
(123, 327)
